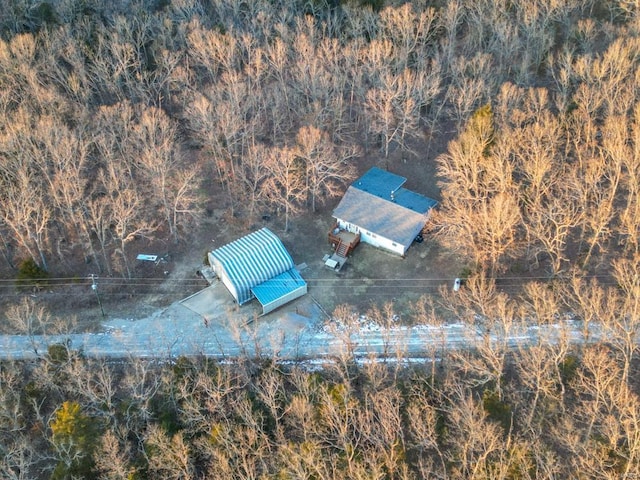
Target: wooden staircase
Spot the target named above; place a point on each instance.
(342, 249)
(342, 242)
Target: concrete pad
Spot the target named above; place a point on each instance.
(210, 303)
(294, 322)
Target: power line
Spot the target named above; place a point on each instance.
(75, 280)
(373, 291)
(382, 283)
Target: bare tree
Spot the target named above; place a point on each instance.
(10, 411)
(225, 129)
(27, 214)
(124, 63)
(169, 456)
(386, 434)
(304, 461)
(487, 230)
(624, 321)
(18, 460)
(604, 419)
(271, 390)
(27, 318)
(63, 162)
(409, 29)
(539, 374)
(213, 51)
(286, 187)
(464, 98)
(140, 383)
(111, 459)
(66, 63)
(327, 169)
(598, 180)
(254, 174)
(474, 442)
(550, 223)
(631, 212)
(96, 382)
(537, 149)
(160, 161)
(393, 108)
(480, 214)
(344, 325)
(129, 223)
(98, 216)
(464, 162)
(423, 429)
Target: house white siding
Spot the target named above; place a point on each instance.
(349, 227)
(374, 239)
(383, 213)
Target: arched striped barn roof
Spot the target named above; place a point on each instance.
(252, 260)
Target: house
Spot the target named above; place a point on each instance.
(258, 266)
(381, 213)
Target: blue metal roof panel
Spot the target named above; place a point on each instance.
(377, 203)
(379, 182)
(279, 286)
(414, 201)
(252, 260)
(379, 216)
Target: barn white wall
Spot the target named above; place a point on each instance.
(277, 303)
(221, 273)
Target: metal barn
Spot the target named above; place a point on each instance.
(258, 266)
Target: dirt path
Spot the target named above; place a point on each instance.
(177, 331)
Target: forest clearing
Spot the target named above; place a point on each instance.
(169, 128)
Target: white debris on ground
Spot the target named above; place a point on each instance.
(359, 323)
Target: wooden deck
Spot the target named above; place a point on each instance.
(343, 242)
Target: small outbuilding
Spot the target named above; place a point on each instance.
(381, 212)
(258, 266)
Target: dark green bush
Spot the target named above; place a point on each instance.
(45, 14)
(31, 274)
(376, 5)
(497, 410)
(58, 354)
(569, 368)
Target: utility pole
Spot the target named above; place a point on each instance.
(94, 287)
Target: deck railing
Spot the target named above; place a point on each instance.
(339, 236)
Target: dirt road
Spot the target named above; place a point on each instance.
(177, 331)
